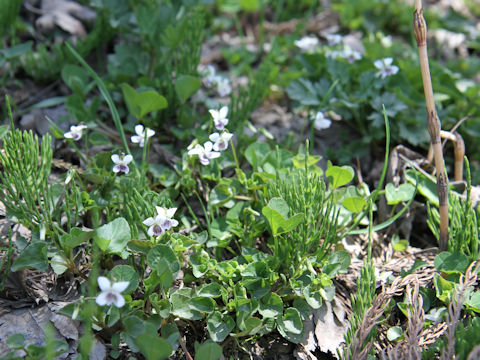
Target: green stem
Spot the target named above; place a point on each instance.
(237, 164)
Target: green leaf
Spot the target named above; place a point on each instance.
(140, 246)
(171, 334)
(291, 223)
(154, 347)
(16, 50)
(125, 273)
(164, 273)
(250, 5)
(75, 78)
(299, 161)
(341, 257)
(274, 218)
(181, 307)
(279, 205)
(209, 351)
(355, 204)
(394, 333)
(220, 229)
(290, 325)
(34, 256)
(271, 306)
(251, 325)
(426, 186)
(338, 176)
(203, 304)
(473, 302)
(221, 195)
(162, 306)
(399, 244)
(257, 288)
(149, 101)
(16, 341)
(129, 94)
(186, 86)
(53, 101)
(313, 298)
(76, 237)
(276, 213)
(113, 237)
(443, 288)
(219, 326)
(396, 195)
(96, 138)
(57, 262)
(256, 153)
(451, 263)
(213, 290)
(304, 91)
(140, 104)
(160, 255)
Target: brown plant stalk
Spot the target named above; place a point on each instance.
(433, 122)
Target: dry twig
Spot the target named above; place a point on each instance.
(433, 122)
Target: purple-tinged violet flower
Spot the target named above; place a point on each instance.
(385, 67)
(220, 117)
(220, 140)
(75, 132)
(204, 152)
(155, 225)
(140, 137)
(111, 292)
(351, 55)
(121, 164)
(167, 215)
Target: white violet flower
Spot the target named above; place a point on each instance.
(121, 164)
(75, 132)
(220, 140)
(111, 292)
(333, 39)
(223, 86)
(351, 55)
(307, 43)
(155, 225)
(220, 117)
(321, 122)
(210, 78)
(140, 137)
(167, 215)
(385, 67)
(204, 152)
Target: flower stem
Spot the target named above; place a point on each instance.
(234, 155)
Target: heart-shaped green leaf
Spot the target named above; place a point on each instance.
(396, 195)
(355, 204)
(186, 86)
(338, 176)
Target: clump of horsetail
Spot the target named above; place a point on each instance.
(433, 122)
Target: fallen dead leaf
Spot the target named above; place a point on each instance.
(324, 330)
(64, 14)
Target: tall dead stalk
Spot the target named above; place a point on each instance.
(433, 122)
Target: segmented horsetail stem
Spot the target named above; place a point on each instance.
(433, 122)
